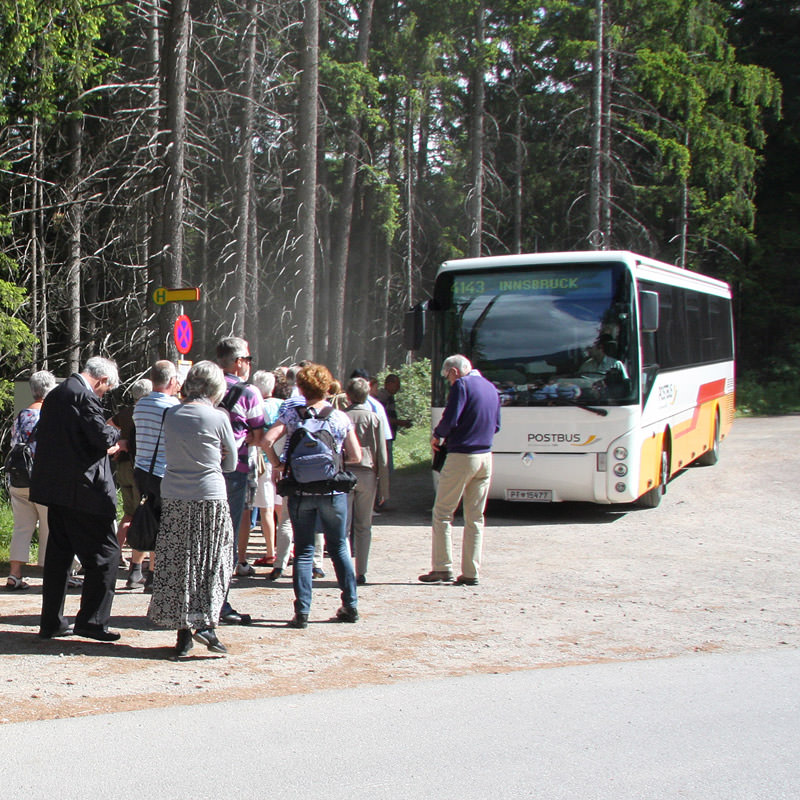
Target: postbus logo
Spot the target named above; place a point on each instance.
(557, 438)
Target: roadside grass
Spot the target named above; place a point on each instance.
(6, 528)
(412, 449)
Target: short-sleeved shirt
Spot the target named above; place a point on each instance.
(148, 414)
(339, 423)
(246, 415)
(23, 426)
(271, 408)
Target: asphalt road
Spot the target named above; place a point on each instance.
(720, 726)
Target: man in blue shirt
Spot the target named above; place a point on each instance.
(467, 428)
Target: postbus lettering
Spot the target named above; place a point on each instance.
(554, 438)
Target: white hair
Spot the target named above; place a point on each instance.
(461, 363)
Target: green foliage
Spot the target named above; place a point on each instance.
(755, 397)
(7, 527)
(414, 398)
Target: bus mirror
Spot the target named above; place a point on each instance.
(414, 327)
(648, 311)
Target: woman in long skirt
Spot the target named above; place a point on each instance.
(194, 549)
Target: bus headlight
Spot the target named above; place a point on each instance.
(620, 453)
(620, 470)
(620, 487)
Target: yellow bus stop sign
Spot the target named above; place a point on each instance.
(162, 296)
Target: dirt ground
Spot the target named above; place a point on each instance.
(714, 568)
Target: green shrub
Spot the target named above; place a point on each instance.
(414, 398)
(759, 397)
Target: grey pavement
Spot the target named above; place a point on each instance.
(701, 726)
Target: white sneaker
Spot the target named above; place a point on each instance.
(245, 570)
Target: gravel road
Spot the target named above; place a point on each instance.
(715, 568)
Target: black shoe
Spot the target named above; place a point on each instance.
(64, 630)
(184, 643)
(347, 614)
(361, 580)
(209, 639)
(275, 574)
(436, 576)
(148, 582)
(98, 634)
(317, 572)
(298, 621)
(463, 580)
(235, 618)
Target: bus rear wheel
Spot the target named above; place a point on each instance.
(711, 456)
(652, 498)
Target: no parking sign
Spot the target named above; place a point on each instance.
(183, 334)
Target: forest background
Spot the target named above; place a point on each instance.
(308, 165)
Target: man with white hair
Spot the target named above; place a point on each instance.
(72, 477)
(467, 428)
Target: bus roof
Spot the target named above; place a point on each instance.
(642, 266)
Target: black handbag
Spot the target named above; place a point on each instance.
(143, 530)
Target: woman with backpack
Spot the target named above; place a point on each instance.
(26, 513)
(323, 439)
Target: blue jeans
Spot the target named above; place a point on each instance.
(236, 485)
(307, 512)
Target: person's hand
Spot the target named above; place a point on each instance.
(113, 450)
(435, 443)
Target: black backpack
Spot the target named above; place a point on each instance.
(19, 462)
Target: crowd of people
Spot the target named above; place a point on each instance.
(211, 454)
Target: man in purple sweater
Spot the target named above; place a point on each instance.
(467, 428)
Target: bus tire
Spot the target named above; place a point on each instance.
(652, 498)
(711, 456)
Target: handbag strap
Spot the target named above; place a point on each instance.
(158, 441)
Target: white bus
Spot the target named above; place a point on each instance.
(615, 371)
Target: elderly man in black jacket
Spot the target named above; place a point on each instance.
(72, 477)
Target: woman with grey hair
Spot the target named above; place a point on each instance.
(194, 548)
(26, 513)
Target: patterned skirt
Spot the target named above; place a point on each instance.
(193, 563)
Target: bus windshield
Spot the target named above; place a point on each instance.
(562, 335)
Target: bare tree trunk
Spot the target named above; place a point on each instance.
(476, 139)
(341, 239)
(155, 277)
(307, 217)
(595, 235)
(684, 223)
(519, 160)
(605, 158)
(38, 293)
(409, 148)
(176, 60)
(244, 170)
(253, 322)
(75, 225)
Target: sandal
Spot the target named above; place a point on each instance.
(265, 561)
(15, 584)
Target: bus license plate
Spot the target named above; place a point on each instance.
(530, 495)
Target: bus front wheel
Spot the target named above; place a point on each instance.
(652, 498)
